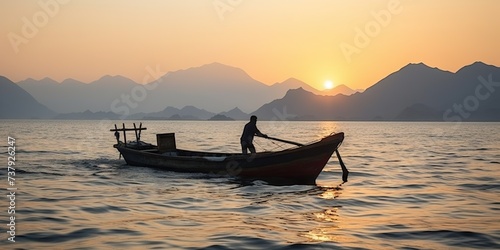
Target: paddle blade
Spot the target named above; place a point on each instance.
(345, 172)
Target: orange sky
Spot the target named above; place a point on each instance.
(351, 42)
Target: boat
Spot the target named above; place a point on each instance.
(300, 164)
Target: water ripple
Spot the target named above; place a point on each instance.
(446, 237)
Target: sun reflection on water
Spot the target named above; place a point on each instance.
(327, 220)
(331, 193)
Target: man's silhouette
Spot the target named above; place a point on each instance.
(249, 131)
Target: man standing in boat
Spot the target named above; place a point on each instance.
(249, 131)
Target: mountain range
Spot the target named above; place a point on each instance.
(416, 92)
(214, 87)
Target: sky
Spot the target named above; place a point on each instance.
(350, 42)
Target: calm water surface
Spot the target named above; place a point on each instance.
(412, 186)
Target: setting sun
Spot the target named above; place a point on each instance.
(328, 84)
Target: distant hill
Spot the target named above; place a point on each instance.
(220, 117)
(74, 96)
(171, 113)
(236, 114)
(292, 83)
(415, 92)
(16, 103)
(88, 115)
(340, 89)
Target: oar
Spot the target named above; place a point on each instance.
(285, 141)
(345, 172)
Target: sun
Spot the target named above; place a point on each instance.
(328, 84)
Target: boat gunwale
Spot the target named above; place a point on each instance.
(200, 155)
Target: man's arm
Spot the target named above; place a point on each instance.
(258, 133)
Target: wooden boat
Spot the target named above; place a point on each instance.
(298, 165)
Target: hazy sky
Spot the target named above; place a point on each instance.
(346, 41)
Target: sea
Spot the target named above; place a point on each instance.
(411, 186)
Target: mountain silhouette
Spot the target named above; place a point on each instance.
(415, 92)
(220, 117)
(236, 114)
(340, 89)
(299, 104)
(414, 83)
(215, 87)
(16, 103)
(292, 83)
(75, 96)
